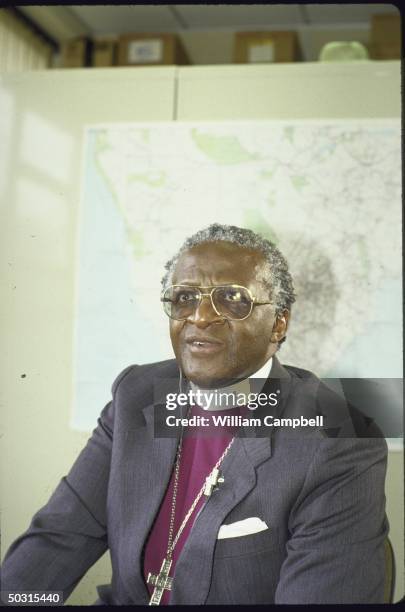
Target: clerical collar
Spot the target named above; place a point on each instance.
(221, 398)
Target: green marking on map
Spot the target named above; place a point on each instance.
(348, 136)
(101, 142)
(145, 134)
(254, 220)
(156, 178)
(137, 243)
(289, 132)
(267, 174)
(271, 200)
(299, 181)
(222, 149)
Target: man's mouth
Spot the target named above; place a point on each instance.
(204, 345)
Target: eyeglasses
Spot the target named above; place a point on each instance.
(229, 301)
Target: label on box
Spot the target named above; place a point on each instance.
(261, 52)
(147, 51)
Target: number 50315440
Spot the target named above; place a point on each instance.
(32, 598)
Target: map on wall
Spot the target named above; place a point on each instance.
(328, 193)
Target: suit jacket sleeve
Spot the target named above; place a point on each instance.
(69, 534)
(338, 527)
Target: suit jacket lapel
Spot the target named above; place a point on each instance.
(192, 576)
(155, 457)
(193, 570)
(278, 383)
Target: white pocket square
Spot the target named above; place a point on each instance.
(242, 528)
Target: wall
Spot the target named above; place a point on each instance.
(41, 124)
(308, 90)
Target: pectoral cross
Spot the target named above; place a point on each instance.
(161, 582)
(212, 481)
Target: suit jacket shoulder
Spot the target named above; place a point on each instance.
(134, 388)
(336, 409)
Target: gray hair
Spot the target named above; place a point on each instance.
(278, 278)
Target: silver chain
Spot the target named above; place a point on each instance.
(172, 543)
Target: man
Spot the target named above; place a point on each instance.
(255, 514)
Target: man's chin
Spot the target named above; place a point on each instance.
(204, 381)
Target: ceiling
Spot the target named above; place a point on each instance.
(109, 19)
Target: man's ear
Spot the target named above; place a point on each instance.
(280, 326)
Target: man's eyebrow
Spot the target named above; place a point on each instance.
(187, 282)
(196, 284)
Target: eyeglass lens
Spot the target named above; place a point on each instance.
(180, 302)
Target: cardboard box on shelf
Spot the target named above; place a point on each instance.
(385, 37)
(265, 47)
(76, 53)
(385, 52)
(104, 52)
(150, 50)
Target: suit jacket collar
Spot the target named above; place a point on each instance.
(257, 440)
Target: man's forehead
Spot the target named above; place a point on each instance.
(220, 258)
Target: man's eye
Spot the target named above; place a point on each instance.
(184, 298)
(233, 296)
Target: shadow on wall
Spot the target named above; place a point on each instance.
(317, 291)
(313, 320)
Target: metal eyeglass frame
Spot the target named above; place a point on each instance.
(253, 301)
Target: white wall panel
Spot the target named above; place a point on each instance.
(42, 116)
(307, 90)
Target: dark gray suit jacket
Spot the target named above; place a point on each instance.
(320, 491)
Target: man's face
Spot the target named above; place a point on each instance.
(211, 350)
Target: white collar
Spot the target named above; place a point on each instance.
(264, 371)
(211, 396)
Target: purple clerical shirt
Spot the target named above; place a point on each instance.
(201, 449)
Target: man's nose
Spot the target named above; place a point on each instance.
(205, 313)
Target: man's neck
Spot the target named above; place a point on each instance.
(222, 398)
